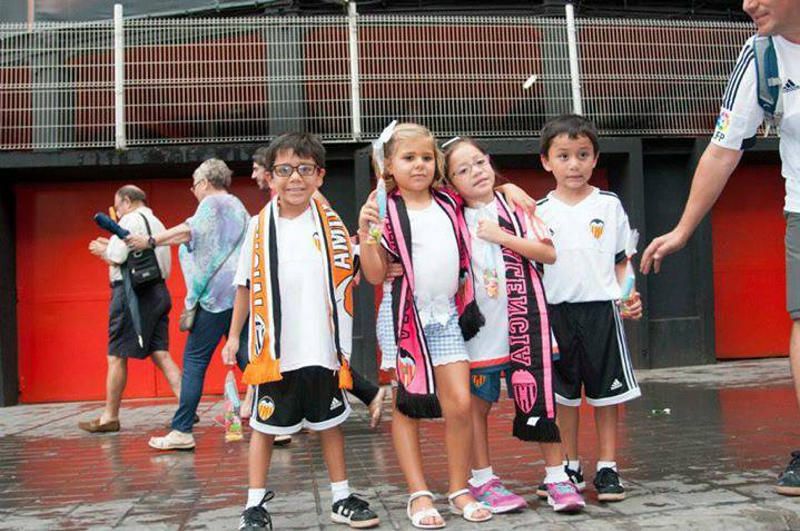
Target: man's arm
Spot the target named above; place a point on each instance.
(713, 171)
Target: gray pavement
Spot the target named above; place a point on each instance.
(710, 463)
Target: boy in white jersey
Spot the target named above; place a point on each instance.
(590, 231)
(294, 282)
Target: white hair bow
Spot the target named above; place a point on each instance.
(378, 143)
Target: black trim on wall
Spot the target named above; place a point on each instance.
(9, 373)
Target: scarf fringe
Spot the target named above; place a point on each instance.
(417, 406)
(545, 430)
(345, 376)
(259, 373)
(471, 320)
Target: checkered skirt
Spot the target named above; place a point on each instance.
(445, 342)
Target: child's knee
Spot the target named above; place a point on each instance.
(457, 408)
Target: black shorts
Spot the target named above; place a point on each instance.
(154, 307)
(593, 354)
(309, 397)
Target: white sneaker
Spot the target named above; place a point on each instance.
(174, 440)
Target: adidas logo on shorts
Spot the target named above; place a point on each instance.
(335, 403)
(616, 384)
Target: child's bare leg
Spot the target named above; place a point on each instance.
(454, 397)
(552, 453)
(606, 420)
(332, 441)
(405, 434)
(260, 454)
(480, 432)
(568, 420)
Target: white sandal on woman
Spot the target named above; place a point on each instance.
(469, 510)
(419, 516)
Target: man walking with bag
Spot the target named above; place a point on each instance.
(140, 303)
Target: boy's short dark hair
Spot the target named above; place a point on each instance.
(301, 144)
(261, 155)
(572, 125)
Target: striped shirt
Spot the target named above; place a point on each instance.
(740, 115)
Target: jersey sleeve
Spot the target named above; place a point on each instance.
(740, 114)
(623, 233)
(242, 277)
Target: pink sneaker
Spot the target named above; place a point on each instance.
(564, 497)
(497, 497)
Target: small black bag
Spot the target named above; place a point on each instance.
(143, 265)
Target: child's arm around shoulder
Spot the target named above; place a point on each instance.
(372, 255)
(540, 250)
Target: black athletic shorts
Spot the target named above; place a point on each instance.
(593, 354)
(309, 397)
(154, 307)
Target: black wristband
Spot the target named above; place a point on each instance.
(151, 242)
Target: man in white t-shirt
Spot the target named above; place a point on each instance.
(154, 305)
(740, 116)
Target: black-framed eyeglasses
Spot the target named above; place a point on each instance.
(195, 184)
(284, 171)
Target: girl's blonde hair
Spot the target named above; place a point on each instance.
(407, 131)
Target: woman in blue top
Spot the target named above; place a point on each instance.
(211, 240)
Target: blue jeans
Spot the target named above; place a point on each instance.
(208, 330)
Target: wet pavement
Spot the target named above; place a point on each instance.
(710, 463)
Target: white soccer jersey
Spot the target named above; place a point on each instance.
(590, 239)
(741, 115)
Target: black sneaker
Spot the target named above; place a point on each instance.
(257, 518)
(789, 479)
(608, 486)
(575, 476)
(354, 512)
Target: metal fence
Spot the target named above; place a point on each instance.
(345, 77)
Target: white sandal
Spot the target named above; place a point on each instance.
(469, 510)
(419, 516)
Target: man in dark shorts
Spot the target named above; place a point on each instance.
(154, 306)
(739, 118)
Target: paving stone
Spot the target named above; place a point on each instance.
(710, 464)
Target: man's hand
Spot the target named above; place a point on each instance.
(661, 247)
(98, 246)
(229, 351)
(137, 242)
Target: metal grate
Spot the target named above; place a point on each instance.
(462, 75)
(344, 78)
(655, 77)
(228, 80)
(56, 86)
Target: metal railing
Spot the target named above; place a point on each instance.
(345, 77)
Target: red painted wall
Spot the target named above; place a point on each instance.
(749, 269)
(63, 290)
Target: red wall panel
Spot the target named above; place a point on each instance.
(63, 290)
(749, 269)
